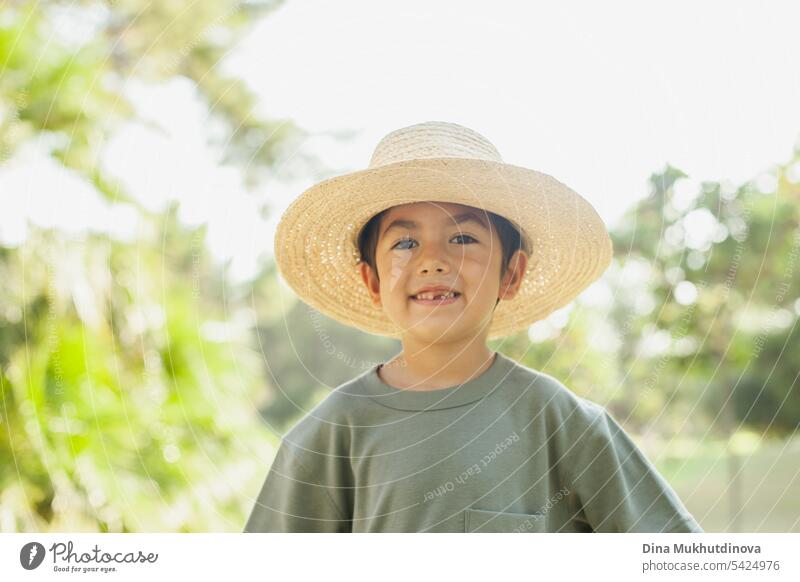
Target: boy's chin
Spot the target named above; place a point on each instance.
(435, 332)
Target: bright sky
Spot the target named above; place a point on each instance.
(600, 95)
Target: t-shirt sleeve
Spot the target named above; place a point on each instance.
(619, 488)
(291, 500)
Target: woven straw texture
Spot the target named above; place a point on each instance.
(316, 247)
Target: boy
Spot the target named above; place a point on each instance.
(442, 245)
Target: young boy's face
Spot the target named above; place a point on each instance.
(440, 244)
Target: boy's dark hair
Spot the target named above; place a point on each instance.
(510, 240)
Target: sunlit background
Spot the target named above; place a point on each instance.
(151, 358)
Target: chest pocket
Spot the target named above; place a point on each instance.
(485, 521)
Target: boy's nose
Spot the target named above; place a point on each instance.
(433, 258)
(433, 264)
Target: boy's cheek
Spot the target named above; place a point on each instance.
(397, 266)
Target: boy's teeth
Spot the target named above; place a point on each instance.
(432, 295)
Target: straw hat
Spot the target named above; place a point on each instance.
(316, 248)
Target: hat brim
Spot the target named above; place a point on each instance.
(316, 247)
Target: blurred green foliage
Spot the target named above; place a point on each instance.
(724, 283)
(128, 385)
(123, 400)
(64, 67)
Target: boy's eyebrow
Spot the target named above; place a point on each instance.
(458, 219)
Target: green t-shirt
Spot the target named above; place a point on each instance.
(512, 450)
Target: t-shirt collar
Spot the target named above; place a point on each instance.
(436, 399)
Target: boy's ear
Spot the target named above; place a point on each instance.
(512, 279)
(371, 282)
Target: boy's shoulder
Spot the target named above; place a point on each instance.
(327, 422)
(545, 392)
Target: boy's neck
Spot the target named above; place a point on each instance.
(431, 367)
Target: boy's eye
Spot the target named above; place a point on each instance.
(465, 236)
(402, 241)
(408, 239)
